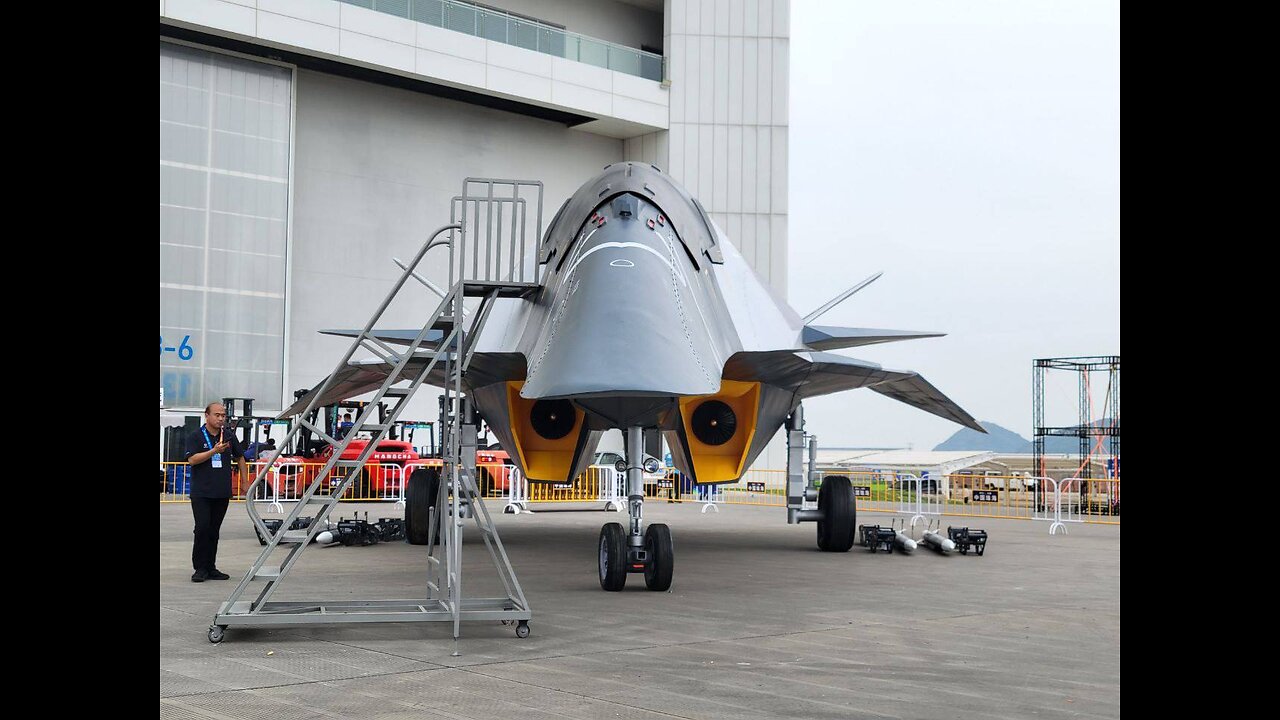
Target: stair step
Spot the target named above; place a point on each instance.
(399, 392)
(267, 573)
(505, 289)
(294, 536)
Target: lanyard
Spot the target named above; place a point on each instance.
(207, 439)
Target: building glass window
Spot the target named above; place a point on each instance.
(224, 202)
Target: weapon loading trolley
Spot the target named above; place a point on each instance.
(966, 539)
(876, 538)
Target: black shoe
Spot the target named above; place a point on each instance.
(199, 576)
(216, 574)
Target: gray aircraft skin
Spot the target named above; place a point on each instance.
(645, 309)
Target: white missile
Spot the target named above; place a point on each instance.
(904, 541)
(938, 542)
(325, 538)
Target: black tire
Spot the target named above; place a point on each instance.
(657, 542)
(839, 514)
(484, 482)
(613, 557)
(420, 495)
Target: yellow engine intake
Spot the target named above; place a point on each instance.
(546, 434)
(719, 429)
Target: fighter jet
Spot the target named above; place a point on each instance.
(647, 319)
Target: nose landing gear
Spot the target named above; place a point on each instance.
(623, 552)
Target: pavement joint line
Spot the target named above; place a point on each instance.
(503, 662)
(184, 612)
(802, 698)
(469, 669)
(417, 705)
(307, 682)
(607, 651)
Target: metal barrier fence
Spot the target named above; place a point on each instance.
(1089, 500)
(597, 484)
(1012, 497)
(287, 480)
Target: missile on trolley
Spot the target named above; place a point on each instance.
(904, 541)
(938, 542)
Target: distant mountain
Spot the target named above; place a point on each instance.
(1003, 440)
(998, 439)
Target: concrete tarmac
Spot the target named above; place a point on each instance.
(758, 624)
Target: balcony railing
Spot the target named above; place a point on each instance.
(506, 28)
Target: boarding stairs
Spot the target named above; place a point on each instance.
(489, 224)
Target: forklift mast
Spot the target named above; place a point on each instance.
(242, 420)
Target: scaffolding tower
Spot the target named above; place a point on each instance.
(1091, 433)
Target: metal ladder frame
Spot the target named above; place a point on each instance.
(445, 601)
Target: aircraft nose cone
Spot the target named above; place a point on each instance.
(629, 318)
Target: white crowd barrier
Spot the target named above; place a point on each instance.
(599, 483)
(1059, 502)
(918, 498)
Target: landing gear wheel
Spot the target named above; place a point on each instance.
(522, 630)
(217, 633)
(657, 543)
(613, 557)
(839, 515)
(420, 495)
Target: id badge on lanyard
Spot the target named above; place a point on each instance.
(217, 457)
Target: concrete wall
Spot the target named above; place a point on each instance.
(728, 63)
(616, 22)
(623, 105)
(373, 173)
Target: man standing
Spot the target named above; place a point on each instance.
(210, 450)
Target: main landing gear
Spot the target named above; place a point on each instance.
(624, 551)
(839, 519)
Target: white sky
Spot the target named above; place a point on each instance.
(971, 150)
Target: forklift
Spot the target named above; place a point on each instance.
(254, 431)
(404, 430)
(307, 446)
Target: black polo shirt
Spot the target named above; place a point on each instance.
(206, 480)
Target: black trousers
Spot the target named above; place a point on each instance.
(208, 513)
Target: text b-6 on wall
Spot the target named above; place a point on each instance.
(184, 349)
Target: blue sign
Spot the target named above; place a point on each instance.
(178, 387)
(184, 351)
